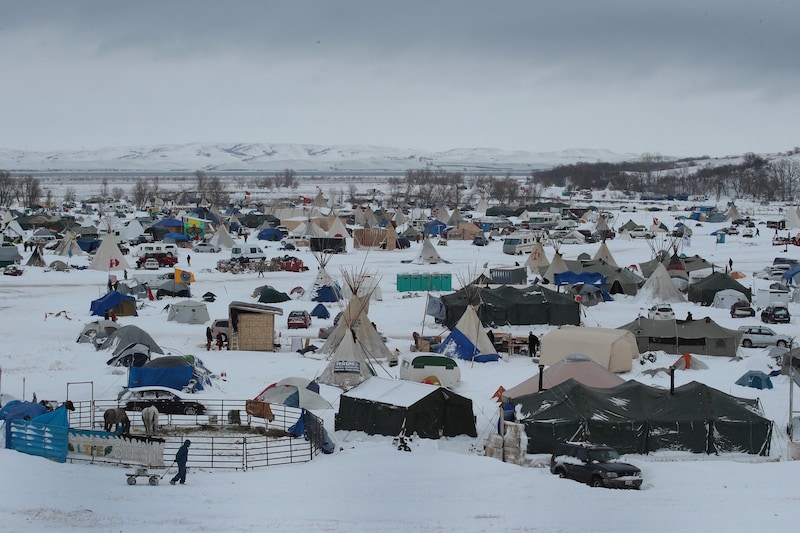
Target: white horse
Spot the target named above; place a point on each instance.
(150, 420)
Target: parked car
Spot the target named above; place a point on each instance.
(220, 325)
(762, 336)
(162, 259)
(640, 232)
(166, 400)
(742, 309)
(773, 314)
(149, 264)
(732, 230)
(749, 232)
(661, 312)
(325, 332)
(202, 247)
(298, 319)
(480, 240)
(594, 465)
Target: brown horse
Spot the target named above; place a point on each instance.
(116, 417)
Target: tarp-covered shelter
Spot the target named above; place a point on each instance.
(173, 288)
(702, 336)
(116, 302)
(174, 372)
(613, 349)
(636, 418)
(703, 290)
(393, 407)
(516, 307)
(9, 255)
(271, 295)
(617, 280)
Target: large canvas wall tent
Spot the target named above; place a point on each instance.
(188, 312)
(396, 407)
(703, 336)
(635, 418)
(613, 349)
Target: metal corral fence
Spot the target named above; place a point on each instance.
(225, 436)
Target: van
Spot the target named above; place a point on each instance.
(519, 243)
(250, 252)
(168, 248)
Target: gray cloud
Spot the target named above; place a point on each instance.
(525, 73)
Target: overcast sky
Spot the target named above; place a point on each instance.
(683, 78)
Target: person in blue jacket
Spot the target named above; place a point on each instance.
(181, 457)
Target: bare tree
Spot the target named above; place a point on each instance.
(139, 193)
(117, 193)
(216, 191)
(201, 183)
(30, 190)
(8, 188)
(70, 195)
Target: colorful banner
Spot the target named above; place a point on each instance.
(194, 228)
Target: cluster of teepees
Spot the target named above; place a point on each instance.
(354, 346)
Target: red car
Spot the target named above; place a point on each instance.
(298, 319)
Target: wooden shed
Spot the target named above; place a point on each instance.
(252, 326)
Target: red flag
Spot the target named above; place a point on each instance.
(113, 263)
(150, 294)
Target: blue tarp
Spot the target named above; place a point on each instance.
(45, 435)
(755, 379)
(175, 377)
(326, 293)
(457, 344)
(169, 223)
(175, 237)
(573, 278)
(108, 302)
(320, 311)
(434, 227)
(270, 234)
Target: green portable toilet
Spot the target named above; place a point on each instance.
(403, 282)
(415, 282)
(436, 282)
(424, 282)
(447, 282)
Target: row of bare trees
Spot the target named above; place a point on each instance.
(26, 190)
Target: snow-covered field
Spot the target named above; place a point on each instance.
(368, 485)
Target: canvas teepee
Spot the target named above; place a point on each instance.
(222, 238)
(537, 260)
(355, 322)
(108, 256)
(468, 340)
(324, 288)
(659, 287)
(427, 254)
(604, 254)
(556, 267)
(69, 246)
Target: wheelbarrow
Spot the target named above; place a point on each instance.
(141, 471)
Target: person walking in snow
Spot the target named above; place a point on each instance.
(181, 457)
(209, 338)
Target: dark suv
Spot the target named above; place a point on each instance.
(773, 314)
(595, 465)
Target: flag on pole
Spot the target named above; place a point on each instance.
(184, 276)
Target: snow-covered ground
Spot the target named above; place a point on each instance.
(444, 485)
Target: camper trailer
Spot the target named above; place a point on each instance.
(520, 242)
(431, 369)
(249, 252)
(168, 248)
(544, 220)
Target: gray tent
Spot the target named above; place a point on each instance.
(188, 312)
(127, 335)
(703, 336)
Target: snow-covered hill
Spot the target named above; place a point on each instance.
(299, 157)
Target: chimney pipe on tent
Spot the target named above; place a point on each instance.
(541, 376)
(672, 380)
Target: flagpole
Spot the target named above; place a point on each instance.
(425, 313)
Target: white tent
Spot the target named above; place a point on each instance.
(348, 365)
(537, 261)
(604, 254)
(556, 267)
(222, 238)
(659, 287)
(613, 349)
(427, 254)
(188, 312)
(108, 257)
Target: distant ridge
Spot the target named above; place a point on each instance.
(252, 157)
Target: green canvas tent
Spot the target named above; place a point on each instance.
(702, 336)
(509, 305)
(636, 418)
(703, 290)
